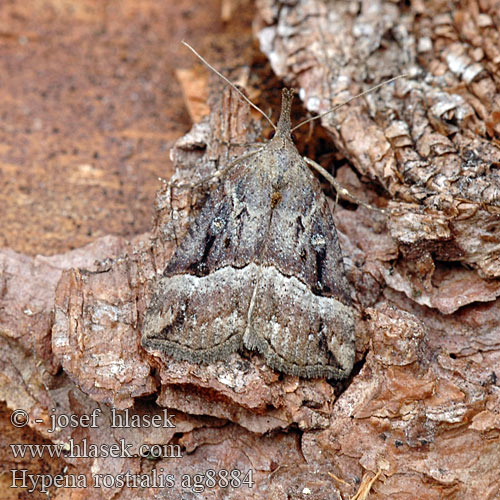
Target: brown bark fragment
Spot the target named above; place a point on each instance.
(425, 139)
(27, 292)
(94, 334)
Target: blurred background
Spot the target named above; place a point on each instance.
(92, 99)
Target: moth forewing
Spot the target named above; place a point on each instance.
(259, 268)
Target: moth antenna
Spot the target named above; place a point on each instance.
(231, 84)
(348, 101)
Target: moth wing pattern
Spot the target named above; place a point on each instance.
(301, 319)
(179, 322)
(319, 342)
(260, 267)
(199, 310)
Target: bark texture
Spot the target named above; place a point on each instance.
(421, 410)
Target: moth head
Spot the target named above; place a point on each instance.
(284, 128)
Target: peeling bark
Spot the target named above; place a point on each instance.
(430, 139)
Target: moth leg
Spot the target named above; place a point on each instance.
(216, 175)
(247, 145)
(341, 191)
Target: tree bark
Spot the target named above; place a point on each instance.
(420, 413)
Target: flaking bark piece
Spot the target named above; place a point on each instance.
(260, 268)
(431, 139)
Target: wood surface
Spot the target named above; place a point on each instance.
(94, 97)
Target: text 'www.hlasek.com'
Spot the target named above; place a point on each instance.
(67, 448)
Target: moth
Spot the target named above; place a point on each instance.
(261, 269)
